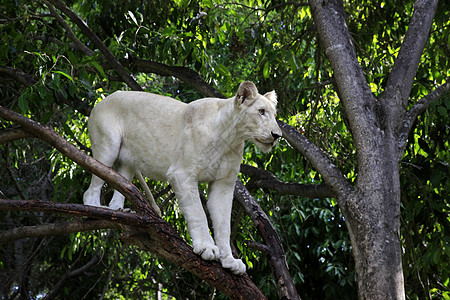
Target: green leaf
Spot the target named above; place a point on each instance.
(222, 70)
(436, 255)
(99, 68)
(46, 117)
(266, 70)
(303, 13)
(290, 56)
(207, 3)
(68, 130)
(42, 92)
(442, 111)
(168, 31)
(23, 103)
(64, 74)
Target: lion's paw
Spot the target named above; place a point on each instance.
(91, 201)
(235, 265)
(115, 206)
(207, 251)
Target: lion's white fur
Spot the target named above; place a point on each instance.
(184, 144)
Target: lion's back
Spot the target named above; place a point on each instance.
(147, 125)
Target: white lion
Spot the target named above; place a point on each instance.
(184, 144)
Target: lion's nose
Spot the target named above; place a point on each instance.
(275, 135)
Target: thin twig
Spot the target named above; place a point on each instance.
(78, 44)
(110, 58)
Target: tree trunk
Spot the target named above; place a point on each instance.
(372, 208)
(373, 222)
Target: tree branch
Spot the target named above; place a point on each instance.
(18, 75)
(53, 228)
(266, 10)
(266, 180)
(77, 43)
(154, 235)
(184, 74)
(72, 273)
(332, 176)
(352, 87)
(401, 78)
(418, 108)
(12, 134)
(277, 257)
(81, 210)
(112, 60)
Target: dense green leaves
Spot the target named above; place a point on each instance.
(45, 76)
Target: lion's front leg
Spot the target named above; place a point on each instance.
(186, 190)
(220, 201)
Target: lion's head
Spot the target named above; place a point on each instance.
(257, 113)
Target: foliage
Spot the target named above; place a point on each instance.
(272, 43)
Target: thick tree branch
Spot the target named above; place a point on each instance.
(185, 74)
(332, 176)
(418, 108)
(12, 134)
(266, 180)
(112, 60)
(18, 75)
(61, 228)
(154, 235)
(354, 92)
(80, 210)
(277, 257)
(401, 78)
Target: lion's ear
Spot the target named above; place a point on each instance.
(272, 96)
(246, 94)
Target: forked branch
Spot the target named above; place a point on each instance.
(402, 76)
(330, 173)
(275, 251)
(418, 108)
(154, 235)
(354, 92)
(266, 180)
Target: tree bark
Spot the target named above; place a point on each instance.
(372, 209)
(266, 180)
(154, 235)
(398, 88)
(52, 229)
(273, 248)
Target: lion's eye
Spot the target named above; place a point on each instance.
(262, 112)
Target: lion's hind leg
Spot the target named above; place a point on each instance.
(105, 148)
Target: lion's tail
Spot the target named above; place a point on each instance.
(148, 192)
